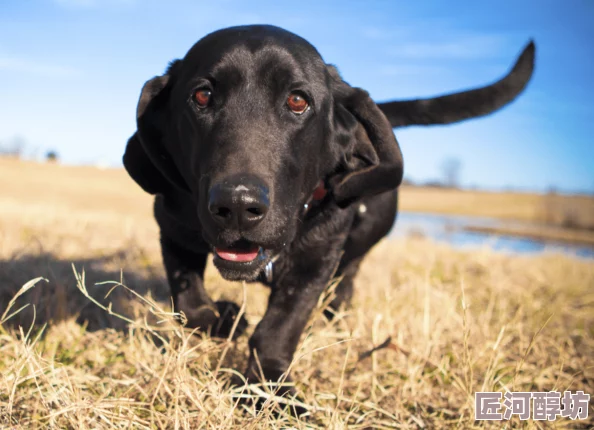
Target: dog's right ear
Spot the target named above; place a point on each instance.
(147, 159)
(371, 158)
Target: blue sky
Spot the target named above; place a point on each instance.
(71, 72)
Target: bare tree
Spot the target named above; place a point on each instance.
(12, 147)
(51, 157)
(450, 169)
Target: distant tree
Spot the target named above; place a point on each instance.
(12, 147)
(51, 157)
(408, 181)
(433, 183)
(552, 190)
(450, 169)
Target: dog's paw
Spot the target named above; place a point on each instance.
(201, 318)
(218, 323)
(278, 397)
(228, 313)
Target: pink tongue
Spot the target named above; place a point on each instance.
(237, 256)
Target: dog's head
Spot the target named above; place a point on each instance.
(252, 124)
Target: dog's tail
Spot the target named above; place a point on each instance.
(464, 105)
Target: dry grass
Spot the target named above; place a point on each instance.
(460, 322)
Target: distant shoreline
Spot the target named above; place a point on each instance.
(564, 219)
(539, 233)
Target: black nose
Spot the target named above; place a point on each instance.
(239, 202)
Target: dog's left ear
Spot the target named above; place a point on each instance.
(371, 158)
(140, 168)
(147, 159)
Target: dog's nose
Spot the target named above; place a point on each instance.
(241, 202)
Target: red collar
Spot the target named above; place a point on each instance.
(320, 192)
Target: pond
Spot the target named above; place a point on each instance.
(450, 229)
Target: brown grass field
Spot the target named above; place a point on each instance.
(458, 322)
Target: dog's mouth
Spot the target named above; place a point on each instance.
(242, 261)
(239, 255)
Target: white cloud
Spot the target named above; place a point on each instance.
(471, 46)
(76, 3)
(410, 69)
(19, 65)
(87, 4)
(375, 33)
(436, 39)
(379, 33)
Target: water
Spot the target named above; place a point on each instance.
(449, 229)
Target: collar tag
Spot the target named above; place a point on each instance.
(268, 272)
(269, 269)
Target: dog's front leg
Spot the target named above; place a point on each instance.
(300, 278)
(185, 272)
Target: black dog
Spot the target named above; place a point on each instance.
(258, 152)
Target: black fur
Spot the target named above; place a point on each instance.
(344, 140)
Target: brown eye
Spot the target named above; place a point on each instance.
(202, 97)
(297, 103)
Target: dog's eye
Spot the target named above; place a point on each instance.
(297, 103)
(202, 97)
